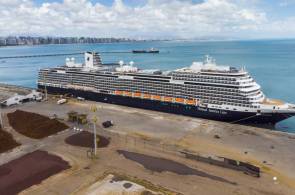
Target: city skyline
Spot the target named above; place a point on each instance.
(149, 19)
(39, 40)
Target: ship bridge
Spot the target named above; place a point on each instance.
(209, 66)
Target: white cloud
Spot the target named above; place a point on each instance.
(284, 3)
(156, 18)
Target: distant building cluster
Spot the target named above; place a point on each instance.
(28, 40)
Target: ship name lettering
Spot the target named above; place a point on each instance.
(215, 111)
(203, 109)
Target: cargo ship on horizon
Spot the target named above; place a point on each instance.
(204, 90)
(151, 50)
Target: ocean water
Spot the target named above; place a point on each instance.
(270, 62)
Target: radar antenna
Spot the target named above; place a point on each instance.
(121, 63)
(209, 60)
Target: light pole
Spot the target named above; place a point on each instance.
(94, 109)
(45, 88)
(94, 132)
(1, 121)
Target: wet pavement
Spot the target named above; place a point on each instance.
(160, 165)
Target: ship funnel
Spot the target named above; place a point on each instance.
(92, 59)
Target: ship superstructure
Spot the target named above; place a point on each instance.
(204, 89)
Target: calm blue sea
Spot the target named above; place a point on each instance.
(270, 62)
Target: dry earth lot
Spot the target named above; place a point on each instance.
(28, 170)
(270, 150)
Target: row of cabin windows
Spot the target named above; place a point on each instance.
(175, 87)
(185, 76)
(204, 98)
(144, 84)
(155, 89)
(209, 81)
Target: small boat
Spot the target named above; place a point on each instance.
(152, 50)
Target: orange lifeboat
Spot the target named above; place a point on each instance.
(137, 94)
(168, 99)
(147, 96)
(118, 92)
(127, 93)
(179, 100)
(157, 97)
(191, 102)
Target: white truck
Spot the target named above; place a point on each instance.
(61, 101)
(80, 98)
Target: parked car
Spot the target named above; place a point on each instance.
(107, 124)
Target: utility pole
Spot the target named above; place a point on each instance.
(1, 121)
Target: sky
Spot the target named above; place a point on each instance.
(150, 19)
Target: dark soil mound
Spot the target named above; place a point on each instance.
(85, 139)
(127, 185)
(29, 170)
(6, 141)
(34, 125)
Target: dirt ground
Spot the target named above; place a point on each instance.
(29, 170)
(6, 141)
(132, 130)
(117, 185)
(34, 125)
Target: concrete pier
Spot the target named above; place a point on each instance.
(163, 135)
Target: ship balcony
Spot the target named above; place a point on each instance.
(256, 101)
(259, 96)
(245, 81)
(248, 89)
(247, 84)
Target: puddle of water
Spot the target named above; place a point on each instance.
(160, 165)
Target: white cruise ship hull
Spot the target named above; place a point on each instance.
(176, 108)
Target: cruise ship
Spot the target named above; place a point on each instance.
(204, 89)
